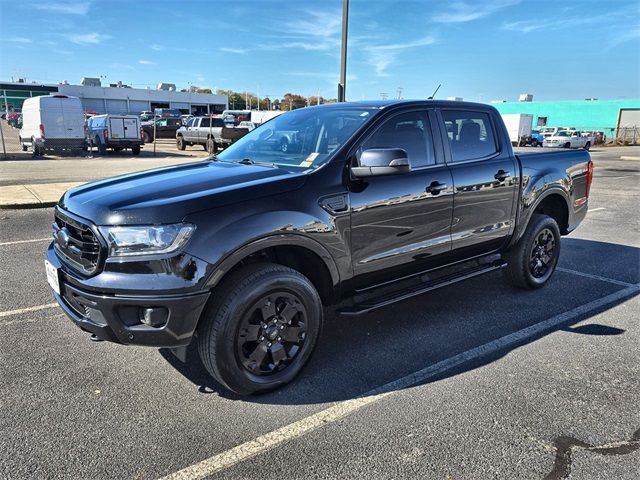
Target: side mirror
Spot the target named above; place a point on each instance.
(381, 161)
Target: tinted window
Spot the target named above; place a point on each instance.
(408, 131)
(205, 122)
(470, 134)
(218, 122)
(191, 122)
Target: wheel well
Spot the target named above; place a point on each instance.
(555, 207)
(298, 258)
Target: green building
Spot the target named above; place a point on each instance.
(590, 115)
(12, 95)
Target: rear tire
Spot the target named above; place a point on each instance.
(211, 146)
(532, 261)
(180, 143)
(135, 150)
(259, 328)
(587, 146)
(146, 138)
(534, 143)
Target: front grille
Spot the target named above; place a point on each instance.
(76, 243)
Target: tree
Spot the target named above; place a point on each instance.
(203, 90)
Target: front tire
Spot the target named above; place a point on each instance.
(260, 328)
(180, 143)
(587, 146)
(532, 261)
(135, 150)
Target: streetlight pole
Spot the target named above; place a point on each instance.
(342, 86)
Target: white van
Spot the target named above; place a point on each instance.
(52, 122)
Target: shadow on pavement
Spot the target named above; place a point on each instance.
(354, 356)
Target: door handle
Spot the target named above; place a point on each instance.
(436, 187)
(501, 175)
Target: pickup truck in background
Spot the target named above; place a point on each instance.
(568, 139)
(162, 127)
(205, 131)
(242, 253)
(114, 131)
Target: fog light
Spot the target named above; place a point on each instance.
(154, 316)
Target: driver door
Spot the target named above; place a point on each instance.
(401, 223)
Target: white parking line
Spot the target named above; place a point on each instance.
(597, 209)
(595, 277)
(270, 440)
(8, 313)
(25, 241)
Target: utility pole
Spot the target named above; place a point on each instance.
(384, 95)
(342, 86)
(400, 92)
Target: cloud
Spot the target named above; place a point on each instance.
(381, 56)
(624, 37)
(240, 51)
(462, 12)
(146, 62)
(69, 8)
(532, 25)
(92, 38)
(22, 40)
(315, 31)
(157, 47)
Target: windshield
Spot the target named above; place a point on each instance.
(563, 134)
(304, 138)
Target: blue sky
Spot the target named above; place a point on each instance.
(479, 50)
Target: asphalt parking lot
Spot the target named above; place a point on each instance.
(476, 380)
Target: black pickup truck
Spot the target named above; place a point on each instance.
(374, 202)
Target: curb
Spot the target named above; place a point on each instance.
(26, 206)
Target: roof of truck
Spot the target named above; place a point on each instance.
(380, 104)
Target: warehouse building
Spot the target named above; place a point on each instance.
(117, 98)
(613, 117)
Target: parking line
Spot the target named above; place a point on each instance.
(25, 241)
(597, 209)
(268, 441)
(595, 277)
(8, 313)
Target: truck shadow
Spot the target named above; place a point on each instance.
(356, 355)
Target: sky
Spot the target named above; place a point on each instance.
(480, 50)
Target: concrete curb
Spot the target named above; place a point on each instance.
(627, 157)
(33, 196)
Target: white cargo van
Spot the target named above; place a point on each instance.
(52, 122)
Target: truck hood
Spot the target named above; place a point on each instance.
(167, 195)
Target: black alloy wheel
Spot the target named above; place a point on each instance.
(271, 334)
(542, 254)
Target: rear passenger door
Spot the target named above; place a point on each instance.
(485, 181)
(203, 129)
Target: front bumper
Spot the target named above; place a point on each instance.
(116, 318)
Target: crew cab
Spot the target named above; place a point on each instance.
(160, 128)
(375, 202)
(568, 139)
(205, 131)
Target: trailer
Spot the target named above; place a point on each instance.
(519, 127)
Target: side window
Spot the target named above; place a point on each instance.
(470, 134)
(205, 122)
(218, 122)
(409, 131)
(162, 123)
(191, 122)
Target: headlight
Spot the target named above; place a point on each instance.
(148, 240)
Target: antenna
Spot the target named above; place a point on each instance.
(434, 93)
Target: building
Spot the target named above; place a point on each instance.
(117, 98)
(591, 115)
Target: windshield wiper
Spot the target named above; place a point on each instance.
(248, 161)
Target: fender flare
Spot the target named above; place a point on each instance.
(527, 211)
(275, 240)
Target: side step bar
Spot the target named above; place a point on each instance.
(391, 298)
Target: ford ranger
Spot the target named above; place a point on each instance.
(374, 203)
